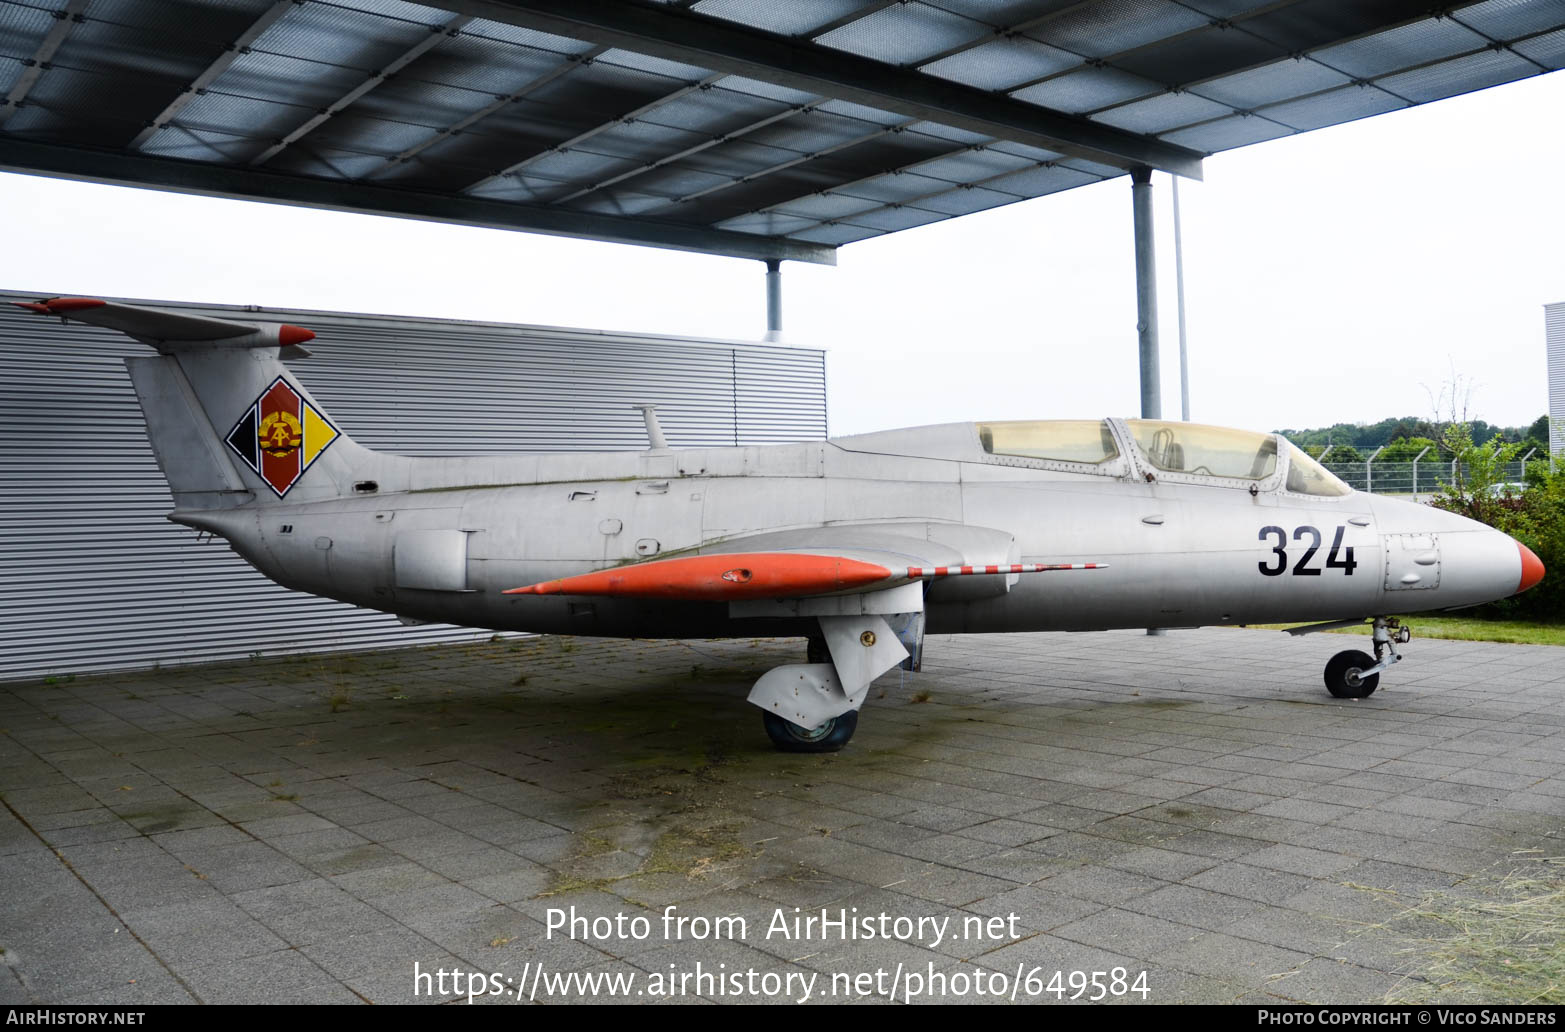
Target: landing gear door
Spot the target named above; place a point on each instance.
(1412, 561)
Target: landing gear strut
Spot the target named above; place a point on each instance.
(1356, 675)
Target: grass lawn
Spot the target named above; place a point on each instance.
(1466, 629)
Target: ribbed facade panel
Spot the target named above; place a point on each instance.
(92, 577)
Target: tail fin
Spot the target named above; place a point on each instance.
(227, 422)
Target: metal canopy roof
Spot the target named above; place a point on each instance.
(776, 129)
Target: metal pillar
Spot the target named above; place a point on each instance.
(1179, 283)
(1146, 292)
(773, 299)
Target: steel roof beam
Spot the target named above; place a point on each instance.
(597, 130)
(691, 38)
(127, 169)
(669, 159)
(571, 61)
(437, 35)
(198, 85)
(39, 62)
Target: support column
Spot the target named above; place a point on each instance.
(774, 299)
(1146, 293)
(1179, 285)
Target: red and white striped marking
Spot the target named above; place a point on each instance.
(922, 572)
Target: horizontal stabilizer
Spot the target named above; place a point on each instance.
(763, 575)
(158, 326)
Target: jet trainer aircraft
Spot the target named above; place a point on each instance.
(860, 544)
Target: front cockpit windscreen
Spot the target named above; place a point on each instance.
(1213, 451)
(1086, 441)
(1306, 476)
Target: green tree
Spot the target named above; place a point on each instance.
(1342, 453)
(1406, 449)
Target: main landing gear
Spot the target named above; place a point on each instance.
(813, 707)
(1356, 675)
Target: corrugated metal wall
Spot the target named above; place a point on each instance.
(92, 577)
(1554, 338)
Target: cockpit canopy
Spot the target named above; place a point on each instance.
(1192, 449)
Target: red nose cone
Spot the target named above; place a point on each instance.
(291, 335)
(74, 304)
(1532, 568)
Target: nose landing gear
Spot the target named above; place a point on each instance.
(1356, 675)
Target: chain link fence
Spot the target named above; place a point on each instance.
(1410, 478)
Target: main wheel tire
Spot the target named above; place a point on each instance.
(816, 651)
(828, 737)
(1342, 675)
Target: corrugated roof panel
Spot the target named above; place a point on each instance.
(1548, 50)
(22, 29)
(824, 206)
(1333, 106)
(767, 223)
(1002, 64)
(1225, 133)
(313, 159)
(261, 121)
(267, 75)
(893, 188)
(904, 33)
(770, 91)
(1399, 48)
(334, 34)
(674, 71)
(946, 132)
(620, 202)
(1280, 80)
(1086, 89)
(970, 165)
(195, 144)
(835, 235)
(1046, 180)
(859, 112)
(715, 111)
(488, 66)
(522, 37)
(1167, 111)
(739, 157)
(894, 218)
(1511, 19)
(1464, 74)
(11, 69)
(1205, 52)
(966, 200)
(1110, 26)
(794, 18)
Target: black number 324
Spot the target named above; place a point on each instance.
(1339, 558)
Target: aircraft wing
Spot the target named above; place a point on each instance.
(747, 576)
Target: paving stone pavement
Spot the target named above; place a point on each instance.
(1194, 806)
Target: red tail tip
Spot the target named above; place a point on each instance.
(288, 336)
(73, 304)
(32, 306)
(1532, 569)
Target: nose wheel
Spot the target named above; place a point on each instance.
(1356, 675)
(829, 736)
(1345, 677)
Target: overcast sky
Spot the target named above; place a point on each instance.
(1331, 276)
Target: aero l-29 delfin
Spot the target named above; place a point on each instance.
(859, 544)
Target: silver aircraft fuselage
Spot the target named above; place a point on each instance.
(1182, 549)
